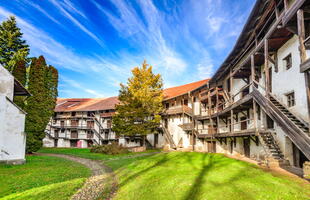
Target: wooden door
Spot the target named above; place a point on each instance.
(74, 134)
(90, 124)
(211, 146)
(270, 79)
(155, 139)
(243, 123)
(166, 123)
(231, 146)
(74, 123)
(62, 124)
(56, 133)
(246, 147)
(109, 123)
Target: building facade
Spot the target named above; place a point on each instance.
(257, 104)
(12, 120)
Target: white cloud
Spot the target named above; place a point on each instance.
(62, 9)
(78, 86)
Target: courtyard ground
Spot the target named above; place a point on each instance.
(192, 175)
(42, 177)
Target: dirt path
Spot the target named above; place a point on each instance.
(102, 183)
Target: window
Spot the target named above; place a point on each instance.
(167, 105)
(73, 114)
(185, 102)
(290, 99)
(288, 61)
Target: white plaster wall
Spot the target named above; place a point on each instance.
(6, 83)
(237, 85)
(285, 81)
(12, 135)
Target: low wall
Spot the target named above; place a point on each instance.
(136, 149)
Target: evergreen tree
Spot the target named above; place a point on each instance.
(19, 72)
(12, 47)
(140, 103)
(42, 85)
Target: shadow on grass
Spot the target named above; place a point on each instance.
(139, 173)
(210, 162)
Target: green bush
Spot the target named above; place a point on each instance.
(111, 149)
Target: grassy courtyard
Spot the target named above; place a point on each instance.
(174, 175)
(202, 176)
(42, 177)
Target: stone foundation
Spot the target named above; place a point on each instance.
(13, 162)
(306, 169)
(137, 149)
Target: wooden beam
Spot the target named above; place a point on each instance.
(232, 120)
(307, 79)
(267, 77)
(301, 35)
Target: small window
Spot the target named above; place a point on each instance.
(73, 114)
(167, 105)
(62, 130)
(290, 99)
(185, 102)
(288, 61)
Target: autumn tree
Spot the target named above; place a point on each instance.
(42, 85)
(140, 103)
(12, 46)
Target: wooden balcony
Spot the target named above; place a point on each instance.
(187, 126)
(178, 110)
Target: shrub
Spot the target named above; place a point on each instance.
(110, 149)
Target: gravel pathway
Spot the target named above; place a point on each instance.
(102, 177)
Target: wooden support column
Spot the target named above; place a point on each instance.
(254, 116)
(217, 99)
(303, 55)
(232, 120)
(285, 5)
(252, 78)
(307, 79)
(231, 86)
(218, 124)
(301, 35)
(267, 77)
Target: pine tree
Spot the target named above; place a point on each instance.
(140, 103)
(19, 72)
(42, 85)
(12, 47)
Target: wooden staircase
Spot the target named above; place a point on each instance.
(298, 122)
(271, 145)
(294, 128)
(169, 138)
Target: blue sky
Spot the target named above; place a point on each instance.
(95, 43)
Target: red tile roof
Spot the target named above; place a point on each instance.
(183, 89)
(95, 104)
(85, 104)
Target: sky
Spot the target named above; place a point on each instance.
(94, 44)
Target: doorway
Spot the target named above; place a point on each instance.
(243, 123)
(211, 146)
(246, 147)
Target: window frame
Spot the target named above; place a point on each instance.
(290, 99)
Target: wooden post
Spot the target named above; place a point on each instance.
(303, 55)
(218, 124)
(252, 78)
(301, 35)
(232, 120)
(254, 116)
(217, 99)
(267, 81)
(231, 86)
(285, 5)
(307, 79)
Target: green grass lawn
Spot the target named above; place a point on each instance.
(181, 175)
(193, 176)
(85, 153)
(42, 177)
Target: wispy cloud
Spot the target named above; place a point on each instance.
(95, 44)
(63, 9)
